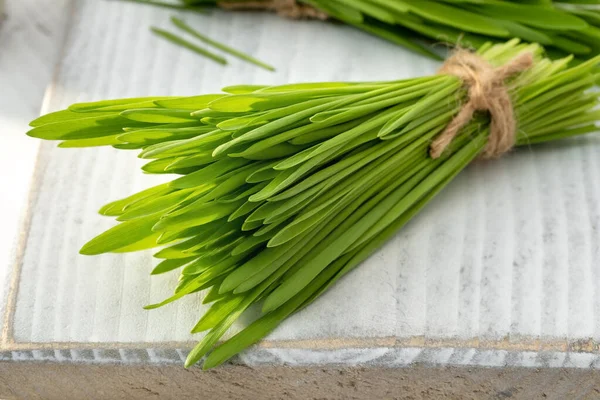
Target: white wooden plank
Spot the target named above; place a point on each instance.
(31, 35)
(508, 255)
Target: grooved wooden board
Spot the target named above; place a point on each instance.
(503, 268)
(31, 36)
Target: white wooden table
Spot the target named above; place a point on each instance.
(31, 37)
(513, 280)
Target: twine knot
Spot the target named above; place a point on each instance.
(486, 92)
(285, 8)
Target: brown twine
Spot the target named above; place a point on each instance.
(487, 92)
(285, 8)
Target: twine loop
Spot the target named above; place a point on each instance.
(486, 92)
(286, 8)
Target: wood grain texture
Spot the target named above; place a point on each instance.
(515, 270)
(31, 36)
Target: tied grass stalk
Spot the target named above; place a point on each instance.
(564, 27)
(282, 190)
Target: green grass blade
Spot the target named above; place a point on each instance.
(188, 45)
(185, 27)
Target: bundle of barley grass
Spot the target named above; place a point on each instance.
(563, 27)
(285, 189)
